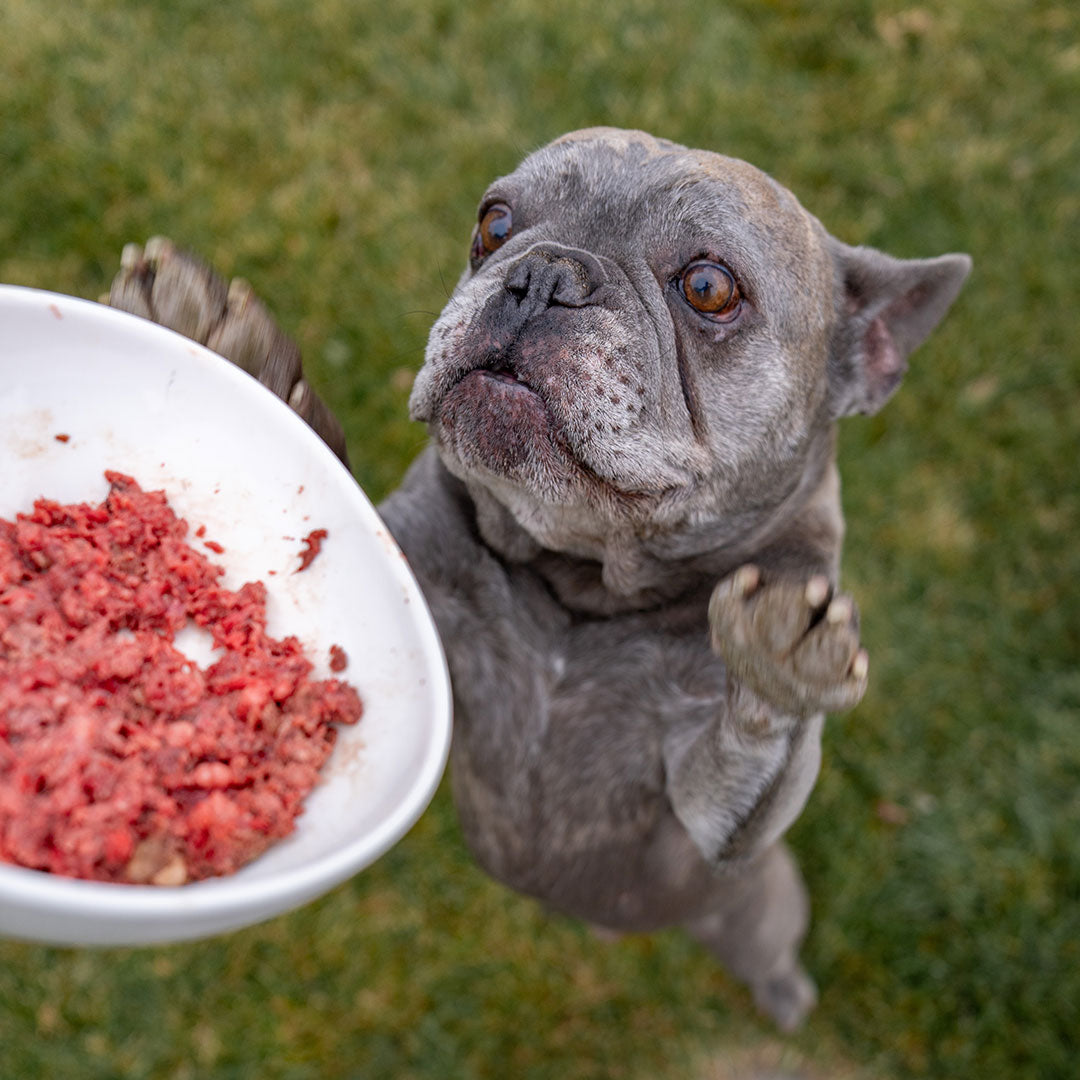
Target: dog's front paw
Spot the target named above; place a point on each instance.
(174, 288)
(793, 643)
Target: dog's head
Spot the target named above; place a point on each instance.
(649, 336)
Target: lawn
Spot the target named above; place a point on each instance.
(333, 153)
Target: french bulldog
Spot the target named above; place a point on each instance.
(627, 523)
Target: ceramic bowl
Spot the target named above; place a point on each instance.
(129, 395)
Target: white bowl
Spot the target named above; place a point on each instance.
(143, 400)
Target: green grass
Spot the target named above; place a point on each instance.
(333, 153)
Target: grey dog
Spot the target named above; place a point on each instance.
(627, 523)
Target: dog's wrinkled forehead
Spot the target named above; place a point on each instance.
(608, 188)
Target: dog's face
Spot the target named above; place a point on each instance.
(650, 334)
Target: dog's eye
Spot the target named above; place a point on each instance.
(495, 228)
(710, 289)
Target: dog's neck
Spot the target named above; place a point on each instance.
(625, 570)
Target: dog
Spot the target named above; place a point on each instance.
(627, 522)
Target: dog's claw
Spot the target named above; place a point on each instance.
(131, 256)
(747, 579)
(839, 611)
(817, 590)
(860, 666)
(794, 644)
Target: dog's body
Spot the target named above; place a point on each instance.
(632, 395)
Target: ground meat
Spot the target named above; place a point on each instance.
(121, 759)
(339, 658)
(313, 545)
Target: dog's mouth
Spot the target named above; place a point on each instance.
(503, 373)
(495, 388)
(495, 419)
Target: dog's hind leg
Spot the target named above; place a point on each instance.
(755, 926)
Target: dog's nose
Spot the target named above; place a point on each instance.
(552, 277)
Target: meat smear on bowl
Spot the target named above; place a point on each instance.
(121, 759)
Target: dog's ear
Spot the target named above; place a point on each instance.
(888, 308)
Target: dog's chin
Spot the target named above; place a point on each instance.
(492, 427)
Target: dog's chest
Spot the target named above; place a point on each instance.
(561, 726)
